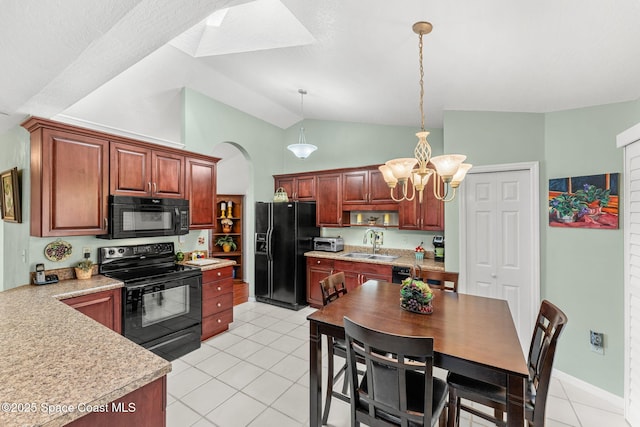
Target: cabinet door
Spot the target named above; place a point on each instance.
(130, 170)
(317, 269)
(355, 188)
(306, 188)
(432, 213)
(409, 214)
(201, 190)
(329, 201)
(378, 188)
(288, 185)
(103, 307)
(167, 175)
(70, 184)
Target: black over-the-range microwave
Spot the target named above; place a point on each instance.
(146, 217)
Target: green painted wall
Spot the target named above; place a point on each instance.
(583, 269)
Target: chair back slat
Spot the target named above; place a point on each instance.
(446, 280)
(332, 287)
(390, 360)
(549, 324)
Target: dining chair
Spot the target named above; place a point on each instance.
(398, 387)
(332, 287)
(549, 324)
(445, 280)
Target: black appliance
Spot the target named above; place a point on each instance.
(161, 301)
(438, 248)
(398, 274)
(146, 217)
(284, 232)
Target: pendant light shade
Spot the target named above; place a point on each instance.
(302, 150)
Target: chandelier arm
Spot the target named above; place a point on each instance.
(393, 197)
(451, 196)
(413, 192)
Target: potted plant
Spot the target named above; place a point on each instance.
(566, 206)
(84, 269)
(226, 225)
(227, 243)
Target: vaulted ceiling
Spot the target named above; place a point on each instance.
(122, 63)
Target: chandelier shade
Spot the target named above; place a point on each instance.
(449, 169)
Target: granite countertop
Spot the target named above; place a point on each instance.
(405, 258)
(212, 263)
(51, 354)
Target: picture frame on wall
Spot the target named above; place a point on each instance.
(590, 201)
(10, 204)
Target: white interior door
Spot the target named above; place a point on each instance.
(501, 249)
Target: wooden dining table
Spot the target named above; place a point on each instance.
(473, 336)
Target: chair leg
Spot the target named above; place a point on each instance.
(329, 391)
(453, 412)
(345, 381)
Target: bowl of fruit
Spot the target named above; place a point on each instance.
(416, 296)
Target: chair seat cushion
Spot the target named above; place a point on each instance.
(468, 387)
(415, 397)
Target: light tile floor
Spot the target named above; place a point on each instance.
(256, 374)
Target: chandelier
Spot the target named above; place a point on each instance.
(449, 170)
(302, 150)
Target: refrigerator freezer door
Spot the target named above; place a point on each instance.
(283, 252)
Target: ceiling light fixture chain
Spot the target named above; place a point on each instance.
(449, 170)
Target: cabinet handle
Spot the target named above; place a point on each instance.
(219, 320)
(319, 262)
(155, 187)
(219, 274)
(106, 223)
(219, 304)
(149, 186)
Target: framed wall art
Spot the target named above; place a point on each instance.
(590, 201)
(10, 201)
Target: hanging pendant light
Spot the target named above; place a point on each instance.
(449, 169)
(302, 150)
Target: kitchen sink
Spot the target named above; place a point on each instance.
(358, 255)
(383, 257)
(376, 257)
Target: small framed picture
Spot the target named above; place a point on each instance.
(10, 201)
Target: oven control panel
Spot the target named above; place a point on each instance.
(112, 253)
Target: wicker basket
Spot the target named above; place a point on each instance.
(82, 274)
(280, 195)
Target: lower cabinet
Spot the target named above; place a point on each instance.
(103, 307)
(146, 406)
(355, 273)
(217, 301)
(317, 269)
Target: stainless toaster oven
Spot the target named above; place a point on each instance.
(328, 244)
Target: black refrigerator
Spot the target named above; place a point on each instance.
(284, 232)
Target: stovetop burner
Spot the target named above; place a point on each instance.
(142, 263)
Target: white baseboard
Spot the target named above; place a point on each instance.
(607, 396)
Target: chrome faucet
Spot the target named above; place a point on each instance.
(374, 239)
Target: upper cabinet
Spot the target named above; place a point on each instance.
(365, 187)
(301, 188)
(428, 215)
(74, 170)
(329, 200)
(144, 172)
(201, 190)
(69, 181)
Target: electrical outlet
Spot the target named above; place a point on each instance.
(597, 342)
(86, 252)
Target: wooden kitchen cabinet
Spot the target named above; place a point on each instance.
(317, 269)
(237, 231)
(69, 180)
(356, 273)
(329, 200)
(104, 307)
(428, 215)
(217, 301)
(300, 188)
(365, 187)
(201, 192)
(140, 171)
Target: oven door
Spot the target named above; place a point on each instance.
(159, 310)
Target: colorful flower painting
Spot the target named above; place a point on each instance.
(590, 201)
